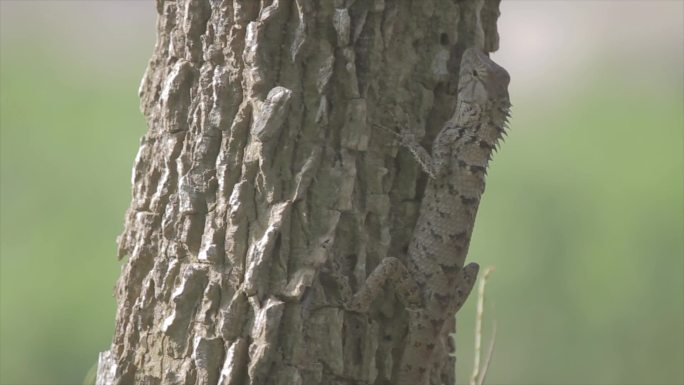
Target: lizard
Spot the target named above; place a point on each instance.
(433, 283)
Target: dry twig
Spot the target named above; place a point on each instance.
(478, 376)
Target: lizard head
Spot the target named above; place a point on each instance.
(482, 89)
(483, 105)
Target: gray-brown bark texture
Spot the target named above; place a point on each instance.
(264, 195)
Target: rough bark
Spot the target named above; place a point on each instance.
(262, 194)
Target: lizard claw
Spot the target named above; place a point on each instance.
(406, 137)
(391, 131)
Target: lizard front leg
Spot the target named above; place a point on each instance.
(437, 163)
(420, 154)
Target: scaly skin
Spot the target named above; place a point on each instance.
(434, 284)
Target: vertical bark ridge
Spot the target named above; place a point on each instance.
(262, 196)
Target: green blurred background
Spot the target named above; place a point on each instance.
(583, 215)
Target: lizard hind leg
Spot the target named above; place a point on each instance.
(390, 270)
(464, 286)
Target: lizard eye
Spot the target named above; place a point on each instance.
(475, 73)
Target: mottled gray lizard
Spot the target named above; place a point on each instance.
(434, 283)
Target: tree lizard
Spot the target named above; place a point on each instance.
(433, 283)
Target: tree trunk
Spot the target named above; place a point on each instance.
(263, 194)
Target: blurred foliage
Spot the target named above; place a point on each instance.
(68, 140)
(583, 217)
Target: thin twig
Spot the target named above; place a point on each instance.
(490, 353)
(475, 377)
